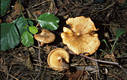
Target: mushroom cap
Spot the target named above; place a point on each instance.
(81, 25)
(45, 36)
(58, 59)
(80, 38)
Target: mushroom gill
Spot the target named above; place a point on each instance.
(58, 59)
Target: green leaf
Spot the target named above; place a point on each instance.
(48, 21)
(4, 5)
(27, 39)
(33, 29)
(9, 36)
(119, 32)
(21, 24)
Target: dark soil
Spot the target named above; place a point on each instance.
(22, 63)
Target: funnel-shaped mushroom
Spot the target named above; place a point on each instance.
(81, 37)
(45, 37)
(81, 25)
(58, 59)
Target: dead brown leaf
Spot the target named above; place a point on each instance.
(0, 21)
(37, 13)
(121, 1)
(17, 9)
(9, 19)
(110, 56)
(78, 75)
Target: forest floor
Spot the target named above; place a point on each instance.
(22, 63)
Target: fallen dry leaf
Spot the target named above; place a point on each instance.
(0, 21)
(110, 56)
(28, 62)
(9, 19)
(121, 1)
(17, 9)
(78, 75)
(37, 13)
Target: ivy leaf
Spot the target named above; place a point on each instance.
(9, 36)
(33, 29)
(27, 39)
(5, 4)
(48, 21)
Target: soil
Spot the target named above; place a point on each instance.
(30, 63)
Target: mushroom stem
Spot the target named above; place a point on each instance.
(65, 64)
(41, 44)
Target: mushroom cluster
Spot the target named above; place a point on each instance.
(81, 37)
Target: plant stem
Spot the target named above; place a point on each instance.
(113, 47)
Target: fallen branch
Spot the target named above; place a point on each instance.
(107, 62)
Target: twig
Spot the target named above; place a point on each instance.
(109, 6)
(43, 73)
(39, 55)
(9, 71)
(37, 75)
(39, 58)
(10, 75)
(38, 4)
(114, 76)
(107, 62)
(52, 7)
(97, 72)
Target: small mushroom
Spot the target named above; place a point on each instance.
(58, 59)
(80, 37)
(45, 37)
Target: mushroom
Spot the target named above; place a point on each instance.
(81, 37)
(58, 59)
(45, 37)
(81, 25)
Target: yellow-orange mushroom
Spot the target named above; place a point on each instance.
(80, 38)
(45, 37)
(58, 59)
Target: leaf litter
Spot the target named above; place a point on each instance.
(23, 63)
